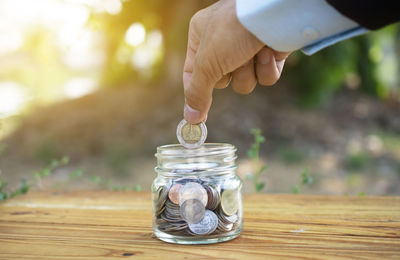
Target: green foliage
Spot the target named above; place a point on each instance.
(4, 193)
(305, 179)
(24, 188)
(118, 159)
(254, 154)
(76, 174)
(47, 151)
(356, 161)
(398, 167)
(47, 172)
(101, 182)
(371, 58)
(137, 188)
(49, 169)
(3, 148)
(291, 155)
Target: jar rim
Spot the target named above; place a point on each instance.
(207, 149)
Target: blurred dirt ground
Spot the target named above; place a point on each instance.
(350, 145)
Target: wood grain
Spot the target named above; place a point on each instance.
(89, 225)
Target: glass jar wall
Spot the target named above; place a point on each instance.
(197, 195)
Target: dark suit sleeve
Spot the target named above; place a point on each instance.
(371, 14)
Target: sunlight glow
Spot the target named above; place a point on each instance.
(113, 6)
(80, 54)
(10, 41)
(11, 98)
(154, 39)
(135, 35)
(146, 55)
(141, 58)
(99, 6)
(78, 87)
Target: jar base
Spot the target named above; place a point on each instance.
(193, 240)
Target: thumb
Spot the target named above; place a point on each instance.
(198, 89)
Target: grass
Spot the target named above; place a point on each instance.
(254, 154)
(306, 179)
(36, 180)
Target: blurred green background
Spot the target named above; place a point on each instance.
(99, 81)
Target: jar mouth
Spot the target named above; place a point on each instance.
(207, 149)
(209, 159)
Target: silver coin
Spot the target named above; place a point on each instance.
(224, 227)
(168, 218)
(231, 219)
(192, 190)
(172, 211)
(192, 211)
(191, 136)
(207, 225)
(171, 227)
(213, 197)
(160, 199)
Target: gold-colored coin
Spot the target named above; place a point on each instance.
(230, 202)
(191, 133)
(191, 136)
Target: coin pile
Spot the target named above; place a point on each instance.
(192, 207)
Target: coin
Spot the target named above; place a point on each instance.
(170, 227)
(192, 211)
(190, 135)
(226, 219)
(160, 199)
(213, 197)
(224, 227)
(230, 202)
(192, 190)
(207, 225)
(174, 192)
(231, 219)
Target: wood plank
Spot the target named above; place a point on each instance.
(89, 225)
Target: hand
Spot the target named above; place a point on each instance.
(220, 50)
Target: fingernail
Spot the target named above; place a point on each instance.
(264, 57)
(280, 64)
(191, 115)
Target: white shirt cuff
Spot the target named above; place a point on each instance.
(288, 25)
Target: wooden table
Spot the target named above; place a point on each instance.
(87, 225)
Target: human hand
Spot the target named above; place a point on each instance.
(220, 50)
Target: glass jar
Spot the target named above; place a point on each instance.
(197, 195)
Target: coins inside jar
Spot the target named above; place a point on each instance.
(207, 225)
(190, 206)
(191, 135)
